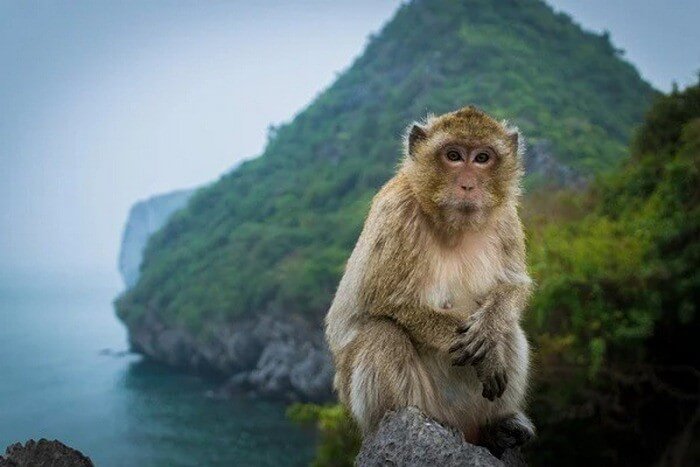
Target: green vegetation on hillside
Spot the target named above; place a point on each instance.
(275, 233)
(614, 320)
(615, 315)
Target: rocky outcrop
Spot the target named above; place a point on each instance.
(145, 218)
(280, 357)
(541, 162)
(409, 438)
(43, 453)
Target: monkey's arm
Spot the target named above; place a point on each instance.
(425, 326)
(484, 341)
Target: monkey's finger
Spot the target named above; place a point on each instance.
(463, 328)
(500, 383)
(478, 354)
(461, 359)
(477, 361)
(496, 385)
(455, 347)
(488, 391)
(481, 347)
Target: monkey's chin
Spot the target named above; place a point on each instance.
(466, 215)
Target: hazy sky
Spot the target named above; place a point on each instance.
(103, 103)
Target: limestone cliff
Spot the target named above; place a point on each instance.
(145, 218)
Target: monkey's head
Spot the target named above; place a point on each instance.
(462, 166)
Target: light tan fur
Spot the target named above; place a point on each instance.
(425, 278)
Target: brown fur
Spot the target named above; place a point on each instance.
(429, 285)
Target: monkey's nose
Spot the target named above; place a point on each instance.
(467, 187)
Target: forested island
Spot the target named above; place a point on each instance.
(238, 281)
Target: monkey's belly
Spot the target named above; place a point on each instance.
(458, 392)
(459, 395)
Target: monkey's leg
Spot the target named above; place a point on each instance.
(385, 373)
(509, 427)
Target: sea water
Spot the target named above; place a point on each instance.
(65, 374)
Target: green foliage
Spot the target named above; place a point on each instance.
(340, 438)
(274, 234)
(615, 315)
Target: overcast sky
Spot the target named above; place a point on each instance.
(105, 103)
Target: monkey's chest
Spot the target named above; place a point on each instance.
(459, 277)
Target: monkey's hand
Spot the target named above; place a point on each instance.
(480, 343)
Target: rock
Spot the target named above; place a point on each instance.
(541, 162)
(281, 357)
(409, 438)
(145, 218)
(43, 453)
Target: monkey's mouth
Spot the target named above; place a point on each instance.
(467, 208)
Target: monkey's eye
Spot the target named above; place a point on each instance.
(453, 156)
(482, 158)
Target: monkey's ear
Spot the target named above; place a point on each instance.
(514, 137)
(416, 134)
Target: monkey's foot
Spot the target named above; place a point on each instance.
(478, 345)
(508, 433)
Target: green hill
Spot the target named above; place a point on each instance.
(273, 235)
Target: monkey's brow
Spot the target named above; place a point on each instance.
(466, 143)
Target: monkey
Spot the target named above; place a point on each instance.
(427, 312)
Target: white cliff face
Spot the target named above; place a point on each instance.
(145, 218)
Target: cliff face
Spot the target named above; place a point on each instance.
(145, 218)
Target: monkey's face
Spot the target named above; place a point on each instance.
(466, 172)
(462, 166)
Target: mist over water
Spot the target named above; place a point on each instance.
(56, 382)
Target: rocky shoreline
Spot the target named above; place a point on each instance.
(277, 357)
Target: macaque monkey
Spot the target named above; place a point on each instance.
(428, 311)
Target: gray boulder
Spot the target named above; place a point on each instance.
(43, 453)
(409, 438)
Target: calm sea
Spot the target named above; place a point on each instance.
(58, 382)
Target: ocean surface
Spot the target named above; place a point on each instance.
(64, 374)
